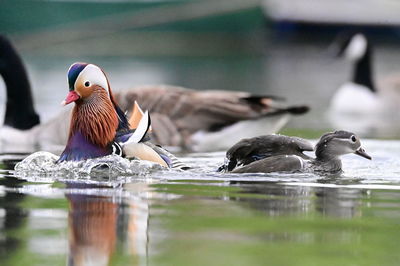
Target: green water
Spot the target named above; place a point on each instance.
(194, 222)
(292, 228)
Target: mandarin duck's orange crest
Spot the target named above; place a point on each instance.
(95, 118)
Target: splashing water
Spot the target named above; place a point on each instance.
(45, 164)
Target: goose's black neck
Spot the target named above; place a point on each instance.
(20, 112)
(362, 73)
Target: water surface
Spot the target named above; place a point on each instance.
(199, 216)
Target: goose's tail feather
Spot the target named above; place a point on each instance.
(293, 110)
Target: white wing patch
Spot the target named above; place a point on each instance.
(300, 160)
(141, 130)
(116, 149)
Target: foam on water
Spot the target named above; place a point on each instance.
(45, 163)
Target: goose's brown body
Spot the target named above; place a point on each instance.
(178, 113)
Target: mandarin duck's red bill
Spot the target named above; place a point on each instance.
(71, 97)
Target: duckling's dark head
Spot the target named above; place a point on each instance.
(334, 144)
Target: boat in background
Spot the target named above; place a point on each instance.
(338, 12)
(40, 26)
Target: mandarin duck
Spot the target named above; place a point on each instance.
(98, 127)
(181, 117)
(284, 154)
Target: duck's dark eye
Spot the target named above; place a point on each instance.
(87, 84)
(353, 138)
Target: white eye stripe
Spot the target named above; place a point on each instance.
(94, 75)
(344, 140)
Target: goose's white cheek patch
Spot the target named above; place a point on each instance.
(356, 48)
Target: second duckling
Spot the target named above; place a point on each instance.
(288, 158)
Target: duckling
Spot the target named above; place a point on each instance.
(249, 150)
(98, 127)
(327, 161)
(181, 117)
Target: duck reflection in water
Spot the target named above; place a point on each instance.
(302, 200)
(100, 225)
(13, 219)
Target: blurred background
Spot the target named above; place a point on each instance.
(265, 47)
(273, 47)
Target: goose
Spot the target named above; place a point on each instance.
(372, 96)
(357, 49)
(364, 104)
